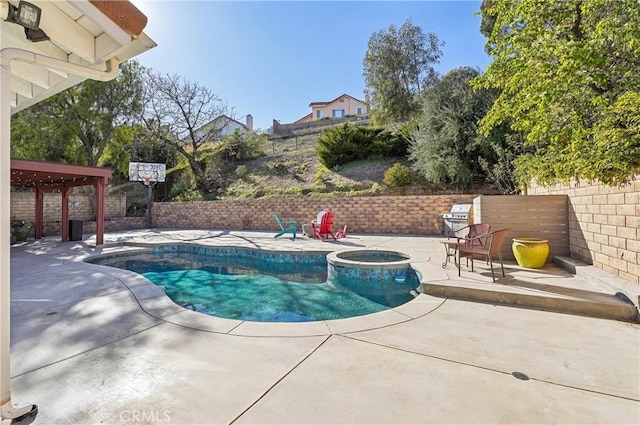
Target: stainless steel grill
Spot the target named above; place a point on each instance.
(457, 218)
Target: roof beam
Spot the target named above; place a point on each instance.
(27, 165)
(35, 74)
(109, 26)
(66, 32)
(21, 87)
(105, 46)
(13, 36)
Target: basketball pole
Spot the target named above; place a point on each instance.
(150, 185)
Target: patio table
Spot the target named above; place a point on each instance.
(451, 249)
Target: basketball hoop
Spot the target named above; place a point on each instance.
(147, 173)
(147, 177)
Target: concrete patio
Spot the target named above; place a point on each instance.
(98, 345)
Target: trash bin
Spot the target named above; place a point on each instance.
(75, 230)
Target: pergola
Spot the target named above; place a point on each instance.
(42, 176)
(47, 46)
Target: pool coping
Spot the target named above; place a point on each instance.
(334, 258)
(154, 302)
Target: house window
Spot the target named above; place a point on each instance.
(337, 113)
(360, 111)
(319, 113)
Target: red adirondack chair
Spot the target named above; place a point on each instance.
(342, 233)
(323, 228)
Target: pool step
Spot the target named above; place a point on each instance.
(584, 303)
(598, 277)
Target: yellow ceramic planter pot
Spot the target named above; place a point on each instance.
(530, 252)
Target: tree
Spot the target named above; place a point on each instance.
(447, 147)
(77, 124)
(135, 144)
(38, 135)
(182, 114)
(506, 146)
(568, 77)
(398, 65)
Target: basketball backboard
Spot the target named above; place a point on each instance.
(147, 172)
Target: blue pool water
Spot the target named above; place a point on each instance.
(262, 286)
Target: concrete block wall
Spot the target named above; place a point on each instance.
(542, 217)
(604, 225)
(81, 207)
(116, 224)
(380, 214)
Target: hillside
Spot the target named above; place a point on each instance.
(291, 167)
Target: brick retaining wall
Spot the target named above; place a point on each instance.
(418, 214)
(116, 224)
(604, 225)
(81, 207)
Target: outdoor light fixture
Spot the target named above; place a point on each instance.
(28, 16)
(36, 35)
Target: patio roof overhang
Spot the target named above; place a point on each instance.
(83, 39)
(84, 35)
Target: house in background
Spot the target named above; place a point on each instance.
(223, 126)
(339, 107)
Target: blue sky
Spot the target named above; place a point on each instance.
(272, 58)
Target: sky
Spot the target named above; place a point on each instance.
(271, 59)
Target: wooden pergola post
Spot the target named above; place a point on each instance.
(99, 185)
(64, 224)
(39, 219)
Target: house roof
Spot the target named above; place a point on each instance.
(309, 115)
(214, 122)
(312, 104)
(84, 36)
(229, 120)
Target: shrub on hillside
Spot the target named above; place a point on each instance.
(338, 145)
(390, 144)
(241, 147)
(241, 171)
(347, 143)
(398, 176)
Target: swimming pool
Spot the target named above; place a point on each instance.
(255, 285)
